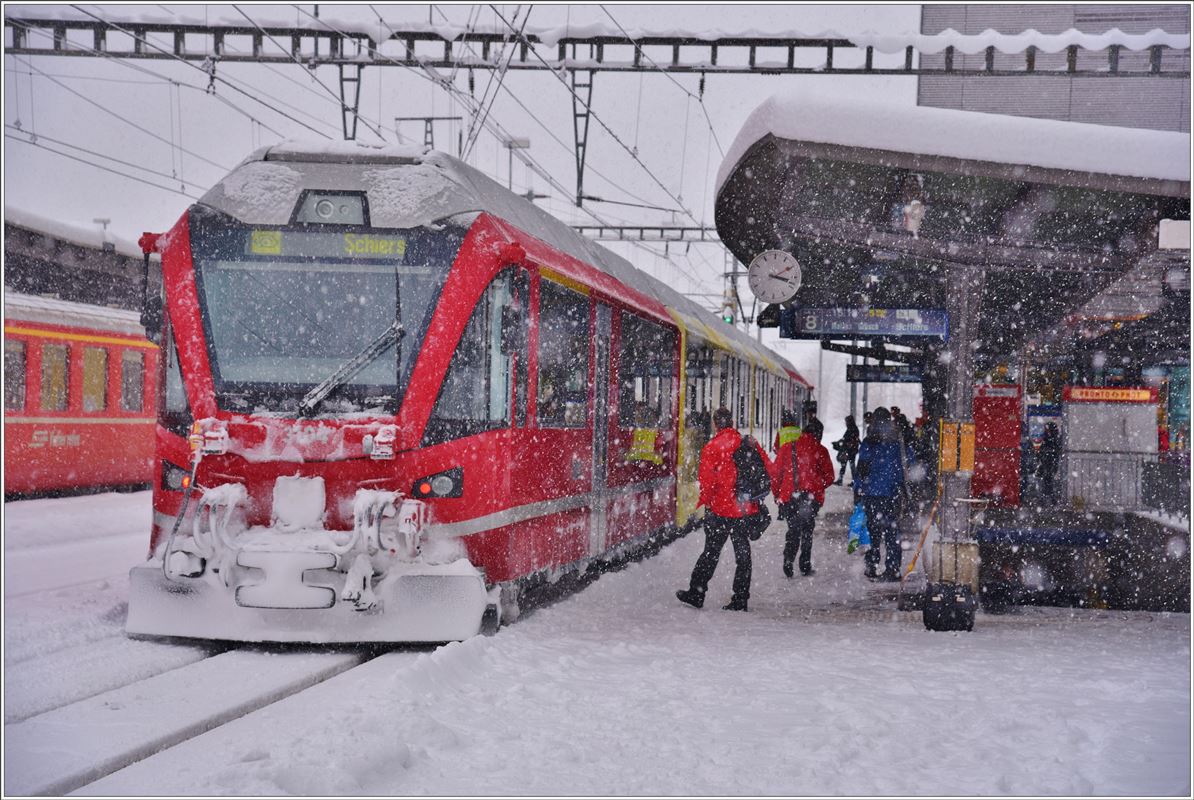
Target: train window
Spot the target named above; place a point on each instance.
(282, 321)
(14, 375)
(55, 372)
(132, 380)
(478, 388)
(95, 379)
(645, 364)
(563, 357)
(743, 391)
(174, 411)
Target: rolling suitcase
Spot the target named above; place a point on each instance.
(950, 600)
(949, 607)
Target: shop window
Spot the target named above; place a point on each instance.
(95, 379)
(14, 375)
(481, 390)
(563, 357)
(132, 380)
(55, 377)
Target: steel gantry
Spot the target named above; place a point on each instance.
(318, 42)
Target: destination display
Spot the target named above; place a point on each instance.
(815, 323)
(325, 245)
(876, 373)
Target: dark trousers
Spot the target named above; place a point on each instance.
(717, 530)
(882, 525)
(848, 463)
(802, 518)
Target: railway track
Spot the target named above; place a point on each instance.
(64, 748)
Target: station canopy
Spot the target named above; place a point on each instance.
(875, 199)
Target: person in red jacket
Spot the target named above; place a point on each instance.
(802, 472)
(724, 515)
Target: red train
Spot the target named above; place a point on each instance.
(396, 394)
(79, 388)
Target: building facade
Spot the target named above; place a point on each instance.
(1159, 103)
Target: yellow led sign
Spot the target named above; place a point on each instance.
(362, 244)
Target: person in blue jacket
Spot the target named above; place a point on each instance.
(879, 484)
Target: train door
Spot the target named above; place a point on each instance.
(601, 426)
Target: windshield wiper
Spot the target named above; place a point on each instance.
(350, 368)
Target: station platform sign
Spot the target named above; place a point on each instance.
(817, 323)
(883, 373)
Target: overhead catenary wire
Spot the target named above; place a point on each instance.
(97, 154)
(212, 75)
(100, 166)
(699, 98)
(375, 128)
(137, 68)
(546, 128)
(595, 116)
(122, 118)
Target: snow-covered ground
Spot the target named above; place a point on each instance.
(822, 688)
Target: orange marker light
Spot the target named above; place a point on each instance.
(424, 488)
(186, 481)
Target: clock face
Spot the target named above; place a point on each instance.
(774, 276)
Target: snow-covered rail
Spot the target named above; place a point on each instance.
(68, 747)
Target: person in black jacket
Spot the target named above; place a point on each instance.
(1047, 460)
(847, 449)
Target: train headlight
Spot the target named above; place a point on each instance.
(331, 208)
(174, 478)
(449, 483)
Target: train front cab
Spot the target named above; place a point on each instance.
(526, 376)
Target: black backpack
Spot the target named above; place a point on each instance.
(753, 482)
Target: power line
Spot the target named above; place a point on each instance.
(40, 136)
(600, 121)
(212, 75)
(100, 166)
(700, 99)
(336, 98)
(500, 133)
(122, 118)
(124, 63)
(513, 96)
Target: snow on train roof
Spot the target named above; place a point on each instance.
(51, 311)
(409, 187)
(1020, 141)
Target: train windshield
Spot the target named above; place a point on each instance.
(288, 309)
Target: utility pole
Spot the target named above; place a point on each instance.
(854, 384)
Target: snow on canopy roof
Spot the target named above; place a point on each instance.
(1020, 141)
(51, 311)
(369, 25)
(411, 187)
(1009, 43)
(85, 236)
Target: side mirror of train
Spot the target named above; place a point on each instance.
(151, 302)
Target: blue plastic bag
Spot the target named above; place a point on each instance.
(859, 536)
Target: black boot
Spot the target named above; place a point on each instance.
(694, 599)
(735, 605)
(788, 568)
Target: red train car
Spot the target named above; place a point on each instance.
(396, 394)
(79, 388)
